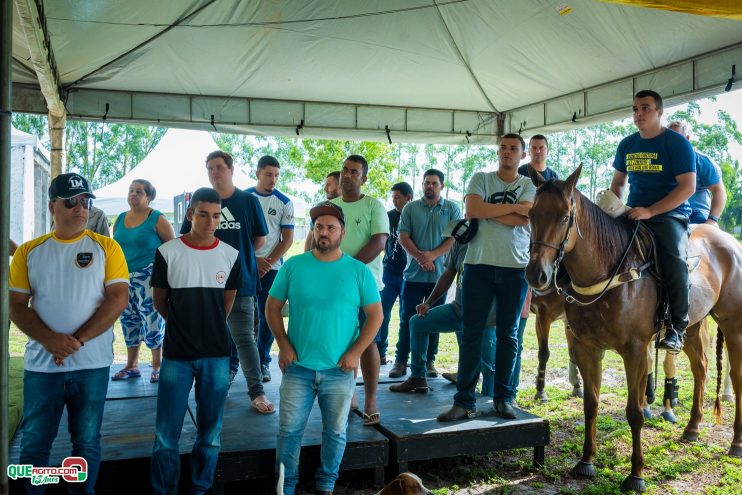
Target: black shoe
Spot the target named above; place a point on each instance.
(412, 384)
(456, 413)
(266, 372)
(504, 409)
(398, 370)
(430, 370)
(673, 341)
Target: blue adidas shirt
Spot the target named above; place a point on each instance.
(653, 165)
(242, 219)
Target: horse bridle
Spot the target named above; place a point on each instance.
(560, 249)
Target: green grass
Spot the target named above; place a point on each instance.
(672, 466)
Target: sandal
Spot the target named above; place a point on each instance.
(371, 419)
(126, 374)
(263, 405)
(155, 376)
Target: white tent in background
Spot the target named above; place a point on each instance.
(174, 166)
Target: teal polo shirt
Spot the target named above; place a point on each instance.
(425, 225)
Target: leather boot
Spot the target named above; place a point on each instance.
(398, 370)
(412, 384)
(673, 341)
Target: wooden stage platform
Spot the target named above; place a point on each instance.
(408, 432)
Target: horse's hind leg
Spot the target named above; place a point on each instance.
(635, 364)
(543, 325)
(734, 343)
(670, 396)
(590, 362)
(728, 394)
(694, 349)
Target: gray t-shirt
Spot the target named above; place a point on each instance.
(455, 261)
(425, 225)
(497, 244)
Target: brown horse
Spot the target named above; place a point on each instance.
(565, 223)
(548, 308)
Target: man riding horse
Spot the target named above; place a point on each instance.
(661, 170)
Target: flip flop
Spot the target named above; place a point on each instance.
(371, 419)
(126, 374)
(155, 376)
(263, 405)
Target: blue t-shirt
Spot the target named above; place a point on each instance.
(324, 300)
(138, 243)
(547, 174)
(242, 219)
(653, 165)
(707, 174)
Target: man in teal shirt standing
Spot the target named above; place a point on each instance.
(321, 351)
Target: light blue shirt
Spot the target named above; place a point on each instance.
(324, 300)
(425, 225)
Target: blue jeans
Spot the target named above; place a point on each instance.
(333, 389)
(265, 337)
(413, 293)
(391, 291)
(45, 395)
(481, 285)
(444, 319)
(241, 324)
(176, 379)
(516, 371)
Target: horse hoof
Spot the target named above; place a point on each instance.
(727, 397)
(647, 413)
(633, 484)
(583, 468)
(577, 392)
(735, 451)
(690, 436)
(541, 396)
(669, 416)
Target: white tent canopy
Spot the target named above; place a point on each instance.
(415, 70)
(174, 166)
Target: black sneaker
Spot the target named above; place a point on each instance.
(504, 409)
(266, 371)
(673, 341)
(412, 384)
(398, 370)
(456, 413)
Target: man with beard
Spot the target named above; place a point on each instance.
(332, 191)
(366, 234)
(321, 351)
(494, 272)
(421, 235)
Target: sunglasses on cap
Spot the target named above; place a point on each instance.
(85, 201)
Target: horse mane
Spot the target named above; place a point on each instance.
(609, 235)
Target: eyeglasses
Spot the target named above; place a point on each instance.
(85, 201)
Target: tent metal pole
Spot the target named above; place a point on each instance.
(6, 42)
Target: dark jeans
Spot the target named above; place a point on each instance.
(413, 294)
(265, 337)
(483, 284)
(671, 236)
(391, 291)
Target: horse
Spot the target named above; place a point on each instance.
(548, 308)
(598, 250)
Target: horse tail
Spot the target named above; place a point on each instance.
(719, 357)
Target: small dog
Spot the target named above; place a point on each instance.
(404, 484)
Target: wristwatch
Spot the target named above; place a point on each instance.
(714, 218)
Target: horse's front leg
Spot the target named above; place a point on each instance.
(590, 363)
(693, 348)
(635, 364)
(543, 326)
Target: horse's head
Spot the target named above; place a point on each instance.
(552, 222)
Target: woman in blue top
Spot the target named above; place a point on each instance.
(140, 231)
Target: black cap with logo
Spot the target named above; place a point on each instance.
(66, 186)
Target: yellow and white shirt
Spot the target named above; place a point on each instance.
(66, 280)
